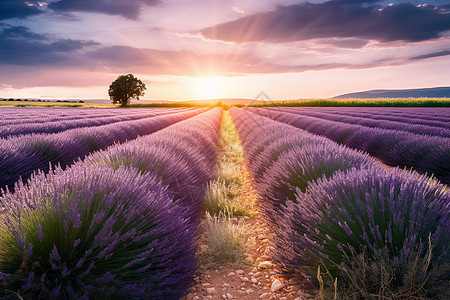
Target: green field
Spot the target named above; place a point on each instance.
(50, 104)
(377, 102)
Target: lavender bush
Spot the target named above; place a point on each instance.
(299, 167)
(182, 155)
(381, 232)
(290, 140)
(257, 136)
(426, 154)
(116, 225)
(369, 221)
(20, 156)
(91, 232)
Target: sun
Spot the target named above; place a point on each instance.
(209, 87)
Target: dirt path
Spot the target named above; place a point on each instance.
(253, 276)
(257, 280)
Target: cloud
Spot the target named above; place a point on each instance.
(18, 33)
(129, 9)
(238, 10)
(11, 9)
(124, 59)
(431, 55)
(21, 46)
(337, 19)
(26, 52)
(344, 43)
(22, 77)
(183, 63)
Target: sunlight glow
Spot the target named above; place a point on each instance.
(209, 87)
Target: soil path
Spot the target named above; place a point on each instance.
(253, 277)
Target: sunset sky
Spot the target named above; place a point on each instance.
(200, 49)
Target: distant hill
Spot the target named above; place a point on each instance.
(438, 92)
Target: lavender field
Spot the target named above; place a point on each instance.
(99, 202)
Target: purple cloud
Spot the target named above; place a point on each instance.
(187, 63)
(10, 9)
(21, 46)
(432, 55)
(337, 19)
(126, 8)
(345, 43)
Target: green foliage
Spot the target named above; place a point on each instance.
(376, 102)
(224, 195)
(220, 199)
(383, 233)
(124, 88)
(225, 239)
(82, 234)
(215, 197)
(365, 276)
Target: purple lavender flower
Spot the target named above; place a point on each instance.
(343, 211)
(54, 255)
(423, 204)
(23, 154)
(394, 146)
(39, 232)
(76, 242)
(144, 235)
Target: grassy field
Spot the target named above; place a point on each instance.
(376, 102)
(50, 104)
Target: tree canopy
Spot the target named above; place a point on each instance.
(124, 88)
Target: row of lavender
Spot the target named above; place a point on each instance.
(426, 154)
(439, 128)
(432, 113)
(13, 115)
(122, 224)
(25, 115)
(413, 115)
(76, 121)
(21, 155)
(338, 209)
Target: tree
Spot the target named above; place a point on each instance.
(124, 88)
